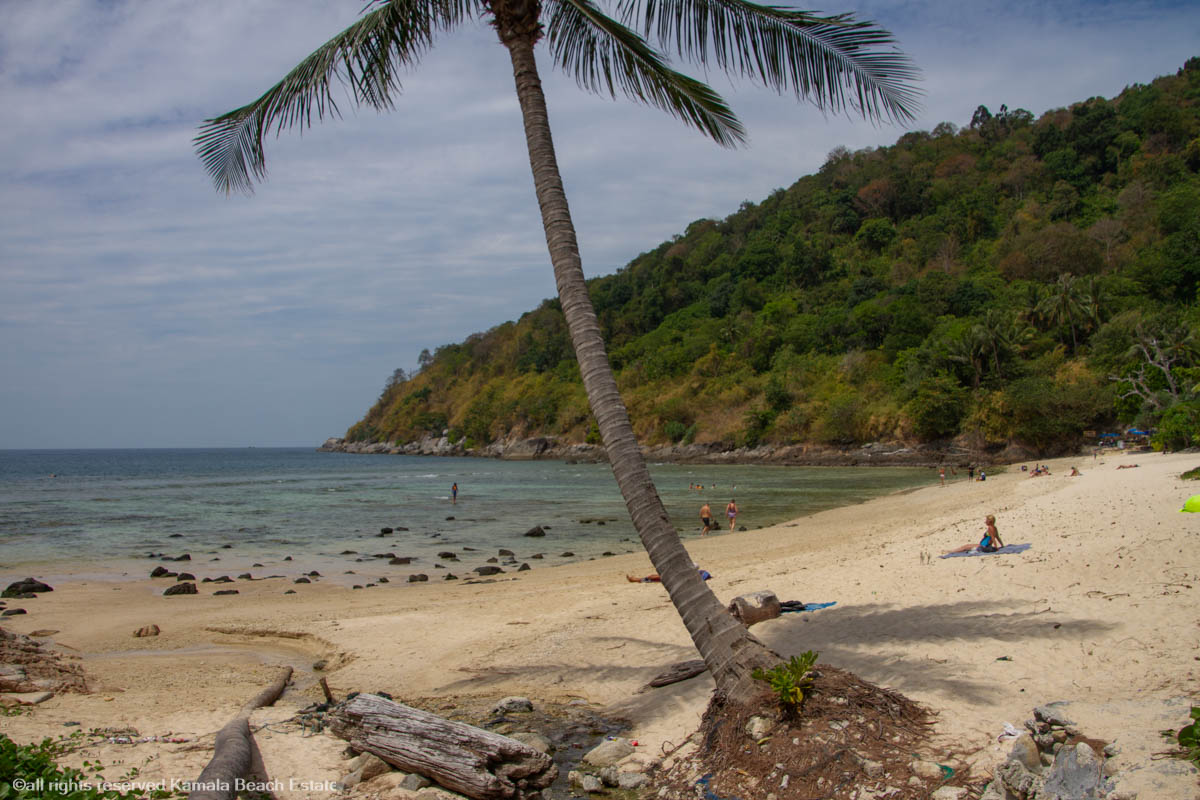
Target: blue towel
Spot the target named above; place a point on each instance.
(808, 607)
(1008, 548)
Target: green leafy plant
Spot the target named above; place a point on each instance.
(1188, 738)
(791, 680)
(30, 772)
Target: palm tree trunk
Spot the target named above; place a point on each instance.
(729, 651)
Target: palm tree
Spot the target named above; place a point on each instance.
(836, 62)
(1064, 304)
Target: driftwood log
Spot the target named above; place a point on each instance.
(747, 609)
(473, 762)
(234, 749)
(750, 609)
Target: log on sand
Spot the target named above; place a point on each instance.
(750, 609)
(234, 748)
(462, 758)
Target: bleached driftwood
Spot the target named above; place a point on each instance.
(750, 609)
(233, 750)
(460, 757)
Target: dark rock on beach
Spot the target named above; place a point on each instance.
(405, 560)
(448, 555)
(225, 591)
(535, 532)
(162, 572)
(418, 578)
(302, 580)
(12, 612)
(504, 552)
(24, 588)
(523, 568)
(385, 530)
(488, 570)
(181, 588)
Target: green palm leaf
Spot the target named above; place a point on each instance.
(602, 55)
(835, 62)
(365, 58)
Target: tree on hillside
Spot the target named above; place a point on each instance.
(836, 62)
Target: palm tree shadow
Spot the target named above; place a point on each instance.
(883, 643)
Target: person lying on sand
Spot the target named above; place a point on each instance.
(990, 542)
(1127, 466)
(704, 575)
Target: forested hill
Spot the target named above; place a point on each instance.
(1017, 280)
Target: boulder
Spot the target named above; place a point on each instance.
(181, 588)
(1077, 773)
(608, 752)
(513, 704)
(535, 532)
(27, 586)
(488, 570)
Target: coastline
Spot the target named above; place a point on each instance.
(798, 455)
(1100, 613)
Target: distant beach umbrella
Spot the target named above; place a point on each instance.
(1192, 504)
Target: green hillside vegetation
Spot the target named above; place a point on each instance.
(1014, 281)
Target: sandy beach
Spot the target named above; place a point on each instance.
(1102, 612)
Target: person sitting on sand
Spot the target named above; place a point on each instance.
(1075, 473)
(704, 575)
(990, 542)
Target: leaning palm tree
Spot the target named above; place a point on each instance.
(836, 62)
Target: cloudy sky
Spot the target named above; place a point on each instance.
(140, 308)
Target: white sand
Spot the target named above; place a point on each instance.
(1102, 612)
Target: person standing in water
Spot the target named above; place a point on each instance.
(731, 511)
(454, 493)
(706, 518)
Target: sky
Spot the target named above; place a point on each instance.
(139, 307)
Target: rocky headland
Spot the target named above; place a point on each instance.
(892, 454)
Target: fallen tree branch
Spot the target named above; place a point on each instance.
(471, 761)
(234, 748)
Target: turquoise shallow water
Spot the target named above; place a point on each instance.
(82, 510)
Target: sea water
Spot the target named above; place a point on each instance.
(289, 510)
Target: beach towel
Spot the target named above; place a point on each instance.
(1008, 548)
(797, 606)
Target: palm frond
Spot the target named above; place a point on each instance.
(835, 62)
(365, 58)
(604, 55)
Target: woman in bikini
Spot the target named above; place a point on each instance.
(990, 542)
